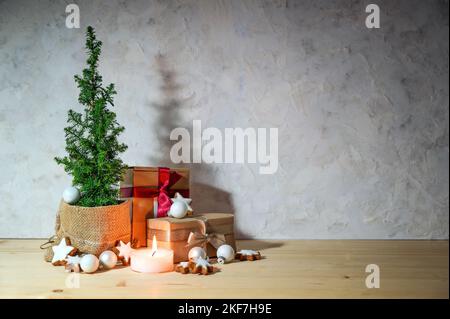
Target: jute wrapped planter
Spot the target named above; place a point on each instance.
(94, 229)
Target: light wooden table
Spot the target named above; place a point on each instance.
(290, 269)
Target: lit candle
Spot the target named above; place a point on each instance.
(152, 260)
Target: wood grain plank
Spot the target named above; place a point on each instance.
(290, 269)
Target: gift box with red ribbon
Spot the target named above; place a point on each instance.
(150, 189)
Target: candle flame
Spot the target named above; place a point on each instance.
(154, 245)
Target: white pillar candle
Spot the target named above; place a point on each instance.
(152, 260)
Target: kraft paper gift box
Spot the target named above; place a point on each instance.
(150, 188)
(208, 229)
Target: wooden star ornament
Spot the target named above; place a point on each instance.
(73, 264)
(125, 251)
(199, 266)
(61, 251)
(73, 260)
(248, 254)
(182, 267)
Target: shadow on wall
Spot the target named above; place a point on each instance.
(205, 197)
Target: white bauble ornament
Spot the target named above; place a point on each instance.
(225, 254)
(89, 263)
(71, 195)
(108, 259)
(196, 252)
(178, 209)
(179, 197)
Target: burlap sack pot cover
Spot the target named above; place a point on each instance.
(94, 229)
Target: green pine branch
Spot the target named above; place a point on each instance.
(92, 144)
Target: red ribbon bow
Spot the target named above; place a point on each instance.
(166, 179)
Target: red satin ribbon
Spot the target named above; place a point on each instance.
(166, 179)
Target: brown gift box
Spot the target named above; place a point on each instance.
(173, 233)
(141, 185)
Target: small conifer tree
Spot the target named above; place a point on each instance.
(91, 138)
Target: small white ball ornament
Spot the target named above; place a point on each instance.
(178, 209)
(108, 259)
(196, 252)
(89, 263)
(225, 254)
(71, 195)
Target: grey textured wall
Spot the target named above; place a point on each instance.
(363, 115)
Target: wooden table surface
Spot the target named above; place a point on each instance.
(290, 269)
